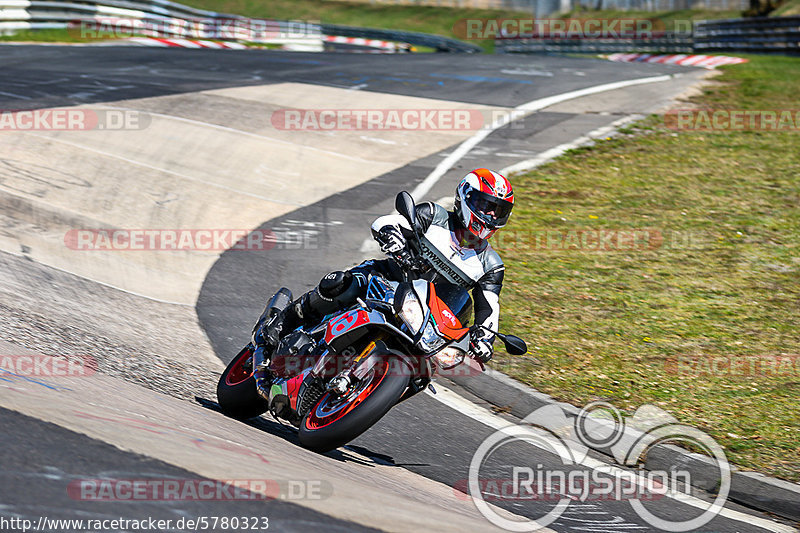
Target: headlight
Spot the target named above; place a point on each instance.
(411, 312)
(431, 339)
(449, 357)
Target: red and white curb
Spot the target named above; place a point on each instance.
(310, 45)
(685, 60)
(359, 41)
(184, 43)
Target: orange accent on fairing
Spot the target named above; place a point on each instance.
(449, 326)
(365, 352)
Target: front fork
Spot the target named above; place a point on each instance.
(357, 368)
(261, 373)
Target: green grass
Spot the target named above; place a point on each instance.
(792, 7)
(45, 36)
(724, 283)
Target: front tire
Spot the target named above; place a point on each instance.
(332, 422)
(236, 390)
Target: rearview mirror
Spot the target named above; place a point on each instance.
(515, 345)
(404, 204)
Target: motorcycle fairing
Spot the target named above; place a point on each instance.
(445, 321)
(346, 322)
(289, 388)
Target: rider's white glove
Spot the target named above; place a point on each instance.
(480, 344)
(390, 240)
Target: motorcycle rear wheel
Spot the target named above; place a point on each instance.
(333, 421)
(236, 389)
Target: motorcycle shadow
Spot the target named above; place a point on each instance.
(289, 433)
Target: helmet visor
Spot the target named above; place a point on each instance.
(491, 210)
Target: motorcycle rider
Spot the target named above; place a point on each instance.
(455, 246)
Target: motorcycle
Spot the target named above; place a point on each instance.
(335, 380)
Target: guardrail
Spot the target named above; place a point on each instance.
(674, 44)
(757, 35)
(163, 18)
(158, 18)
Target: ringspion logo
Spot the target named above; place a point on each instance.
(492, 477)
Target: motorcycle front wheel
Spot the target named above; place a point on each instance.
(336, 420)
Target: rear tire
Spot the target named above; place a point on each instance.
(321, 435)
(236, 390)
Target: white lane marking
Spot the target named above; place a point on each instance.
(376, 140)
(15, 95)
(241, 132)
(556, 151)
(518, 112)
(527, 72)
(486, 417)
(164, 170)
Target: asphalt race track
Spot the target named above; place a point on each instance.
(411, 460)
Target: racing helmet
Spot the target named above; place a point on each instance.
(484, 200)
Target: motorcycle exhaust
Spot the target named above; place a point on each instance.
(260, 373)
(279, 301)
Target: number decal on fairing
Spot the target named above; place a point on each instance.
(344, 323)
(348, 321)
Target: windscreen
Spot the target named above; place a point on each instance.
(457, 299)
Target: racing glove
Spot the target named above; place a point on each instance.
(390, 240)
(480, 344)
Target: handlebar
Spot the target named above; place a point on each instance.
(409, 261)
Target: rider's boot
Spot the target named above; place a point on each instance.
(335, 291)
